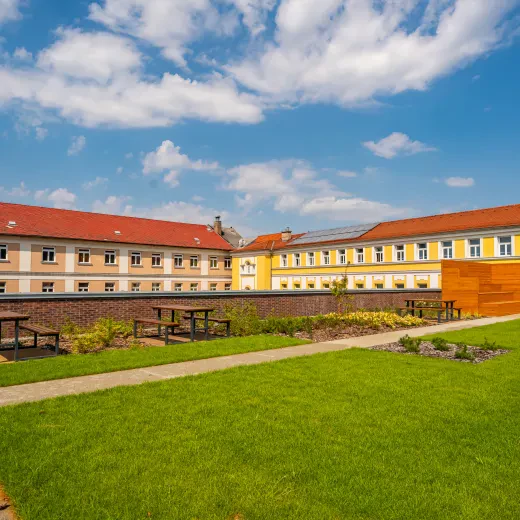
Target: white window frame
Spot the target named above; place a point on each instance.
(3, 287)
(311, 258)
(342, 256)
(156, 286)
(420, 250)
(379, 285)
(325, 257)
(47, 287)
(284, 260)
(50, 252)
(110, 287)
(194, 262)
(134, 256)
(227, 286)
(398, 252)
(177, 287)
(213, 286)
(359, 255)
(84, 256)
(135, 287)
(443, 249)
(4, 253)
(228, 262)
(213, 262)
(85, 288)
(498, 246)
(109, 254)
(469, 247)
(194, 287)
(379, 256)
(156, 256)
(178, 261)
(297, 257)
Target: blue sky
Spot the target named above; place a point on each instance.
(268, 112)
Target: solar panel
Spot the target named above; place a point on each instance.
(328, 235)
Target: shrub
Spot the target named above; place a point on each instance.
(410, 344)
(339, 289)
(86, 343)
(70, 329)
(463, 353)
(106, 330)
(489, 345)
(440, 344)
(244, 319)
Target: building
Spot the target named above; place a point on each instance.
(55, 250)
(403, 254)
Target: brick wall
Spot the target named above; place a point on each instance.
(55, 309)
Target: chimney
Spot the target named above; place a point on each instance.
(286, 234)
(217, 225)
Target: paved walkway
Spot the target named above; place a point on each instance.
(77, 385)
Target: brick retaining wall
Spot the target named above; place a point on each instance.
(55, 309)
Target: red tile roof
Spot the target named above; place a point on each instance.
(499, 217)
(37, 221)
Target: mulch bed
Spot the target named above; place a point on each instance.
(428, 350)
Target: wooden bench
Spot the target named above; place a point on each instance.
(439, 310)
(150, 321)
(42, 331)
(219, 321)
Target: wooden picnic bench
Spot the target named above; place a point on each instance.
(441, 311)
(43, 332)
(160, 323)
(219, 321)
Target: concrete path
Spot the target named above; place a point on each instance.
(77, 385)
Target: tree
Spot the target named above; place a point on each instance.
(339, 289)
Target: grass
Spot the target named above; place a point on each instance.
(125, 359)
(356, 434)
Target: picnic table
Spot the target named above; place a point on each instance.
(191, 312)
(417, 304)
(16, 317)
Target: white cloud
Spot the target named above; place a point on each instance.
(60, 198)
(397, 144)
(22, 54)
(98, 181)
(17, 191)
(168, 157)
(351, 51)
(460, 182)
(347, 174)
(197, 198)
(119, 170)
(77, 144)
(41, 133)
(9, 10)
(129, 155)
(114, 205)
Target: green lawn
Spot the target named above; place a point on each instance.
(112, 360)
(356, 434)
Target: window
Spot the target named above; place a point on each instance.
(136, 286)
(379, 285)
(505, 246)
(326, 285)
(194, 262)
(110, 286)
(83, 287)
(422, 286)
(3, 287)
(213, 262)
(110, 258)
(84, 256)
(378, 254)
(284, 285)
(297, 260)
(49, 255)
(311, 259)
(399, 253)
(227, 263)
(326, 257)
(283, 261)
(48, 287)
(474, 248)
(177, 287)
(194, 287)
(156, 286)
(156, 260)
(178, 261)
(136, 259)
(399, 285)
(342, 253)
(360, 285)
(3, 253)
(227, 287)
(447, 249)
(212, 286)
(310, 285)
(422, 251)
(360, 255)
(297, 285)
